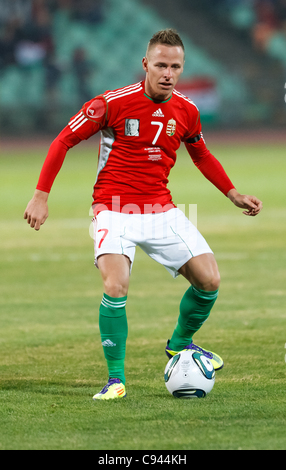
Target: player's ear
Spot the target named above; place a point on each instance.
(145, 64)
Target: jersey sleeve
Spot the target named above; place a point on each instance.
(55, 158)
(83, 125)
(91, 119)
(195, 128)
(209, 166)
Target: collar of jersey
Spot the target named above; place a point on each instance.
(157, 101)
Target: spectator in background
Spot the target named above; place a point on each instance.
(82, 69)
(52, 78)
(271, 17)
(89, 11)
(8, 42)
(266, 13)
(36, 40)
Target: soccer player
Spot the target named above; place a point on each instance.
(142, 127)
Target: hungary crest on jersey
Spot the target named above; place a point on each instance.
(171, 127)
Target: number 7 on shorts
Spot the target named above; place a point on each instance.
(105, 230)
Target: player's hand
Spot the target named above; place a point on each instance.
(37, 211)
(251, 204)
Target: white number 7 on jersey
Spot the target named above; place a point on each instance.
(160, 124)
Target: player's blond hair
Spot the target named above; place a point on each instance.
(168, 37)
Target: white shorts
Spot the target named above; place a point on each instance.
(167, 237)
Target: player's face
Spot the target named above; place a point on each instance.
(163, 66)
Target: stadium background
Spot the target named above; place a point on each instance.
(56, 54)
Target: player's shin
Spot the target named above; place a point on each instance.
(113, 330)
(195, 309)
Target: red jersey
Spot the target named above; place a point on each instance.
(138, 145)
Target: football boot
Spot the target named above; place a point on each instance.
(215, 359)
(113, 389)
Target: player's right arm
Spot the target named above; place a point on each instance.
(37, 210)
(82, 126)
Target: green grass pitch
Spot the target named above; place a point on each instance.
(51, 361)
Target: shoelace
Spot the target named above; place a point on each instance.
(201, 350)
(110, 382)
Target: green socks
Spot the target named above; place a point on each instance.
(195, 308)
(113, 330)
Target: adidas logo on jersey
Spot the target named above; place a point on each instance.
(108, 343)
(158, 113)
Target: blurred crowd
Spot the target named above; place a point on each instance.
(271, 20)
(264, 18)
(27, 40)
(26, 27)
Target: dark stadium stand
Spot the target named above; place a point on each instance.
(57, 54)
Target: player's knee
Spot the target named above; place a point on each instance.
(210, 281)
(214, 282)
(115, 289)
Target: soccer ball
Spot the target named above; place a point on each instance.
(189, 374)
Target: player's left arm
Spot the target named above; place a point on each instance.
(212, 169)
(251, 204)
